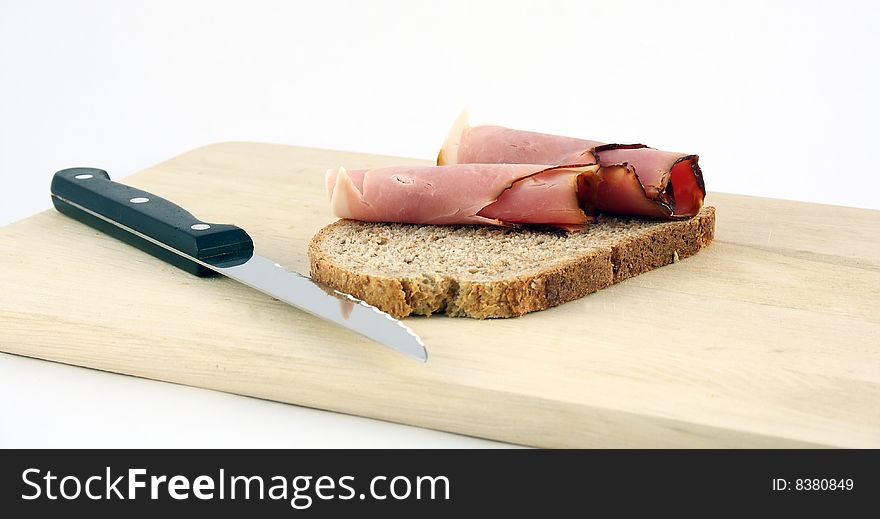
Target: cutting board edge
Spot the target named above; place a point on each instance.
(685, 434)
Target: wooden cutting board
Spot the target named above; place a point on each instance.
(768, 338)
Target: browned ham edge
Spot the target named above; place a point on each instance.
(677, 190)
(633, 179)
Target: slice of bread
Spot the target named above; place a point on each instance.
(485, 272)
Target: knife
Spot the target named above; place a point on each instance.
(170, 233)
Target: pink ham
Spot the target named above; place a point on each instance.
(492, 194)
(633, 179)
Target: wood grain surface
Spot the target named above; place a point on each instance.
(770, 337)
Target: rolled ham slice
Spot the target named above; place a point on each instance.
(633, 179)
(490, 194)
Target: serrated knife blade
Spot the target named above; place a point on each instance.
(343, 309)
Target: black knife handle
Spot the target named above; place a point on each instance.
(150, 215)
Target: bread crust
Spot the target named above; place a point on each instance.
(434, 292)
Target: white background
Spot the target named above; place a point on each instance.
(780, 99)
